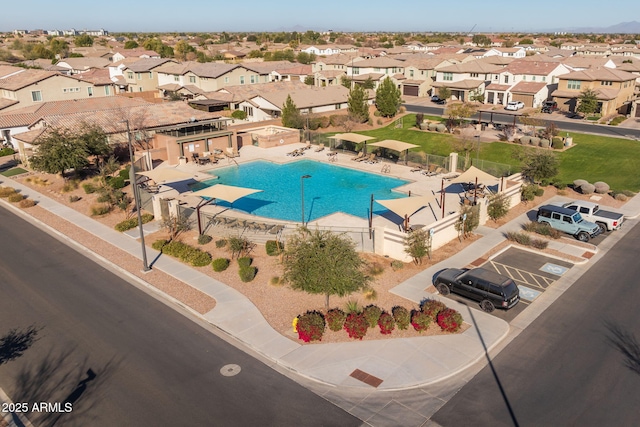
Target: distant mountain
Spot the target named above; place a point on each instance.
(632, 27)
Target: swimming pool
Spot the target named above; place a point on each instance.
(330, 189)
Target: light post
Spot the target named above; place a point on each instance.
(136, 197)
(302, 178)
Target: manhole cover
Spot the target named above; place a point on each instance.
(230, 370)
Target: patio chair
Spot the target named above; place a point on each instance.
(418, 168)
(293, 153)
(196, 158)
(430, 171)
(307, 146)
(373, 158)
(276, 229)
(359, 156)
(320, 148)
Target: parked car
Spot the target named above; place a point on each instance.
(568, 221)
(479, 284)
(549, 106)
(606, 220)
(438, 100)
(514, 105)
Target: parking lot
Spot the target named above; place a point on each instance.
(532, 272)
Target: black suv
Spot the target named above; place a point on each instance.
(489, 288)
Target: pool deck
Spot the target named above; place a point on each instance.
(419, 185)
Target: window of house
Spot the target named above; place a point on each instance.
(226, 79)
(36, 96)
(266, 79)
(496, 77)
(573, 84)
(192, 79)
(533, 78)
(524, 78)
(544, 78)
(90, 91)
(254, 79)
(150, 74)
(376, 69)
(107, 90)
(356, 70)
(248, 111)
(176, 78)
(130, 75)
(410, 73)
(139, 76)
(140, 89)
(241, 80)
(475, 75)
(447, 76)
(338, 106)
(506, 79)
(606, 83)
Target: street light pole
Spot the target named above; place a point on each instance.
(302, 178)
(136, 197)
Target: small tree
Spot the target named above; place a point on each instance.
(175, 224)
(309, 80)
(59, 150)
(291, 116)
(469, 219)
(476, 95)
(444, 93)
(459, 111)
(498, 207)
(358, 107)
(321, 262)
(368, 83)
(540, 165)
(388, 98)
(416, 245)
(587, 102)
(466, 143)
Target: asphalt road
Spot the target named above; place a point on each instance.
(564, 125)
(123, 358)
(576, 365)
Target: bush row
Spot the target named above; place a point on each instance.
(311, 325)
(183, 251)
(586, 188)
(130, 223)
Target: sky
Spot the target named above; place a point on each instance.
(336, 15)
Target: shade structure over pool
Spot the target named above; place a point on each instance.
(392, 144)
(160, 175)
(352, 137)
(228, 193)
(407, 206)
(473, 174)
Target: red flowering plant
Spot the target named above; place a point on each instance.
(420, 321)
(356, 325)
(372, 314)
(387, 323)
(402, 317)
(432, 307)
(311, 326)
(449, 320)
(335, 319)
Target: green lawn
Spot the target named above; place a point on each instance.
(13, 171)
(615, 161)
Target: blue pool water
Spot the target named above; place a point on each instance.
(330, 189)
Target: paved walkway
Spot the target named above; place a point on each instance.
(399, 363)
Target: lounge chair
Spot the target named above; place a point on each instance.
(293, 153)
(196, 158)
(430, 171)
(372, 159)
(276, 229)
(359, 156)
(418, 168)
(320, 148)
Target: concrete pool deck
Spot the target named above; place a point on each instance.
(419, 185)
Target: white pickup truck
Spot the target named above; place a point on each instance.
(606, 220)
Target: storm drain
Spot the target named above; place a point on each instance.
(366, 378)
(230, 370)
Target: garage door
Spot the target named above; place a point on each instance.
(410, 90)
(526, 99)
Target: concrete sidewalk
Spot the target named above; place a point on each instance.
(394, 364)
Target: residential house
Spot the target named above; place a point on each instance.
(376, 69)
(465, 79)
(579, 63)
(329, 49)
(614, 89)
(81, 65)
(20, 87)
(121, 54)
(139, 74)
(420, 73)
(508, 52)
(18, 120)
(102, 82)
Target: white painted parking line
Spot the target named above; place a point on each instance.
(523, 277)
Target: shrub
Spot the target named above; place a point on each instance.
(522, 238)
(338, 120)
(601, 187)
(587, 188)
(449, 320)
(244, 262)
(539, 192)
(557, 144)
(559, 184)
(579, 183)
(7, 191)
(335, 319)
(70, 186)
(127, 224)
(27, 203)
(386, 323)
(440, 128)
(622, 197)
(370, 294)
(498, 207)
(73, 199)
(545, 143)
(524, 140)
(401, 316)
(220, 264)
(239, 114)
(542, 229)
(221, 243)
(124, 173)
(356, 325)
(15, 198)
(311, 326)
(7, 151)
(353, 307)
(539, 244)
(535, 141)
(276, 281)
(375, 269)
(199, 258)
(528, 192)
(432, 307)
(372, 313)
(420, 321)
(89, 188)
(396, 265)
(203, 239)
(628, 193)
(239, 246)
(419, 119)
(100, 209)
(247, 274)
(159, 244)
(324, 121)
(273, 247)
(116, 182)
(617, 120)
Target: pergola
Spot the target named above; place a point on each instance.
(399, 146)
(356, 138)
(228, 193)
(407, 206)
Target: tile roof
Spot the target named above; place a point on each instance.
(242, 92)
(536, 68)
(29, 115)
(84, 63)
(601, 94)
(98, 77)
(140, 65)
(208, 69)
(462, 84)
(599, 74)
(528, 87)
(268, 66)
(310, 96)
(498, 87)
(379, 62)
(24, 78)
